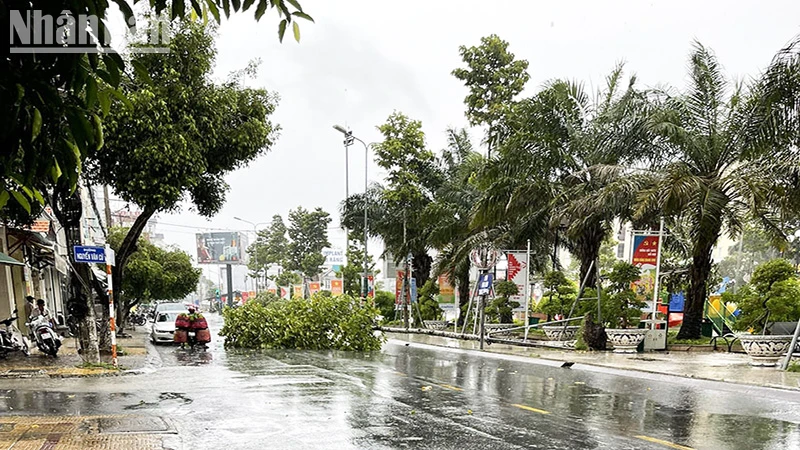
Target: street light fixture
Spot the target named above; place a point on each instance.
(349, 138)
(255, 231)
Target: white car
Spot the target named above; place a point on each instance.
(164, 326)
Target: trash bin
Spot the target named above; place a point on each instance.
(533, 320)
(706, 328)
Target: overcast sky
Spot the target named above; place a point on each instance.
(364, 59)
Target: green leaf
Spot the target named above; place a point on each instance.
(303, 15)
(105, 102)
(98, 132)
(262, 8)
(121, 97)
(113, 67)
(55, 171)
(36, 128)
(91, 92)
(212, 7)
(296, 29)
(141, 72)
(247, 4)
(237, 4)
(226, 6)
(296, 4)
(4, 196)
(281, 29)
(38, 196)
(26, 205)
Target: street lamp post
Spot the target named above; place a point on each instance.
(349, 138)
(255, 231)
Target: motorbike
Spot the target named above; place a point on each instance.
(43, 334)
(11, 340)
(136, 318)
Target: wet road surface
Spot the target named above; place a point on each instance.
(412, 396)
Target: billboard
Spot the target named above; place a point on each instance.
(447, 294)
(219, 248)
(335, 258)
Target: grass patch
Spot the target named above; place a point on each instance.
(793, 367)
(100, 365)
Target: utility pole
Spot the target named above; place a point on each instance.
(230, 284)
(406, 285)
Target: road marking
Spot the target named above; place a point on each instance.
(663, 442)
(529, 408)
(447, 386)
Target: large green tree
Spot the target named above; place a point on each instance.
(54, 104)
(181, 133)
(396, 211)
(153, 273)
(270, 248)
(494, 77)
(308, 231)
(733, 158)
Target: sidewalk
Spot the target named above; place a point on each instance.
(69, 362)
(714, 366)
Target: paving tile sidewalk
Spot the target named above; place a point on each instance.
(67, 363)
(714, 366)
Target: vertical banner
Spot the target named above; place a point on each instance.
(313, 287)
(413, 290)
(398, 289)
(371, 286)
(447, 295)
(645, 257)
(336, 287)
(272, 290)
(517, 269)
(297, 291)
(284, 292)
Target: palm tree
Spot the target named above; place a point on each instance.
(561, 149)
(731, 156)
(450, 213)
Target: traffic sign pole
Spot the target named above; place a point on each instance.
(111, 310)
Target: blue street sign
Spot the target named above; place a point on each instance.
(413, 290)
(90, 254)
(485, 284)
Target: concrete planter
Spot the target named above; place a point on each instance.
(435, 324)
(559, 333)
(765, 350)
(497, 328)
(625, 340)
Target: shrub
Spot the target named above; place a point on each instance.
(428, 304)
(501, 308)
(318, 323)
(558, 296)
(773, 295)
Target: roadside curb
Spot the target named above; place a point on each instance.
(591, 364)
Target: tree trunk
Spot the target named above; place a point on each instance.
(422, 268)
(124, 253)
(462, 282)
(696, 297)
(68, 209)
(588, 249)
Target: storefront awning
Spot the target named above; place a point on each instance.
(5, 259)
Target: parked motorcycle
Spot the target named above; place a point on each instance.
(11, 340)
(43, 334)
(136, 318)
